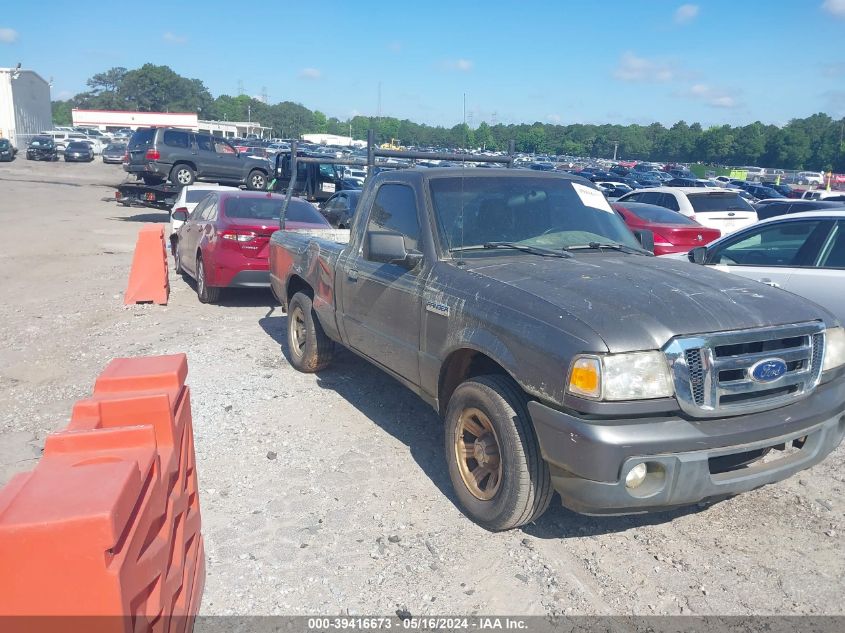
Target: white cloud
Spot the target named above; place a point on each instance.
(713, 96)
(554, 118)
(833, 70)
(310, 73)
(686, 13)
(172, 38)
(461, 65)
(641, 69)
(7, 35)
(835, 102)
(834, 7)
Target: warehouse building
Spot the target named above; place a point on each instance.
(113, 120)
(25, 108)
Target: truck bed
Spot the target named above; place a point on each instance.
(311, 254)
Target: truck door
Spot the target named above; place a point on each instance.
(382, 302)
(229, 164)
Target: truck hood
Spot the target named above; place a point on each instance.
(637, 303)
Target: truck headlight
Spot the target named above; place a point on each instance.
(631, 376)
(834, 352)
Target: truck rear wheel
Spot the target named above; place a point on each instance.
(310, 349)
(256, 181)
(494, 460)
(182, 175)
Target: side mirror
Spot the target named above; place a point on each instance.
(646, 239)
(697, 255)
(180, 215)
(389, 248)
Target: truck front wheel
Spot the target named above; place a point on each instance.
(310, 349)
(494, 460)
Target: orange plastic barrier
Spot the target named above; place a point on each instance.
(108, 523)
(148, 281)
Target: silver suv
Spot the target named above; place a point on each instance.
(181, 156)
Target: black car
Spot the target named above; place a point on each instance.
(42, 148)
(78, 152)
(762, 193)
(782, 189)
(340, 208)
(770, 209)
(7, 152)
(114, 153)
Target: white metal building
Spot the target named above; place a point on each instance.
(25, 108)
(113, 120)
(333, 139)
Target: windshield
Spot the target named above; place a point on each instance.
(727, 201)
(78, 146)
(4, 144)
(252, 208)
(142, 138)
(658, 215)
(552, 213)
(41, 141)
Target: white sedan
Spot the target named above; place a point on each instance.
(803, 253)
(189, 198)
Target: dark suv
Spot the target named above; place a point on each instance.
(182, 156)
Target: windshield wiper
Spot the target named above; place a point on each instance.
(525, 248)
(597, 246)
(535, 250)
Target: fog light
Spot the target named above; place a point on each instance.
(636, 476)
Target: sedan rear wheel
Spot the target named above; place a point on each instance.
(206, 293)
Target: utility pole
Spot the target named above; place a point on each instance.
(615, 147)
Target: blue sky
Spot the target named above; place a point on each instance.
(614, 61)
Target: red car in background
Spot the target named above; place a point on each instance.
(673, 232)
(224, 242)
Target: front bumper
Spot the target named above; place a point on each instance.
(589, 459)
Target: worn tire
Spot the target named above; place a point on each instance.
(206, 293)
(257, 180)
(525, 489)
(310, 349)
(177, 261)
(182, 175)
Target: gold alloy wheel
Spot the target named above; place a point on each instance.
(477, 454)
(298, 331)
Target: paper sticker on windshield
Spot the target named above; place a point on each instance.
(592, 197)
(328, 187)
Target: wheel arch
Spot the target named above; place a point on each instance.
(462, 364)
(295, 284)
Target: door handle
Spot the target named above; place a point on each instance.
(352, 274)
(769, 282)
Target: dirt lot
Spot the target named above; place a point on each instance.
(329, 494)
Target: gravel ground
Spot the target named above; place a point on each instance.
(329, 494)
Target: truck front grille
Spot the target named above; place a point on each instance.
(713, 373)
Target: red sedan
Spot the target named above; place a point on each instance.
(225, 241)
(673, 232)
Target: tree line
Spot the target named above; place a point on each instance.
(815, 142)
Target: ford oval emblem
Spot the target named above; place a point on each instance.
(767, 370)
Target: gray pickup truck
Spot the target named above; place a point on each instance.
(561, 355)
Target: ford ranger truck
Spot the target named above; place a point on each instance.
(562, 355)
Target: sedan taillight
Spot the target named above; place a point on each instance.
(237, 236)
